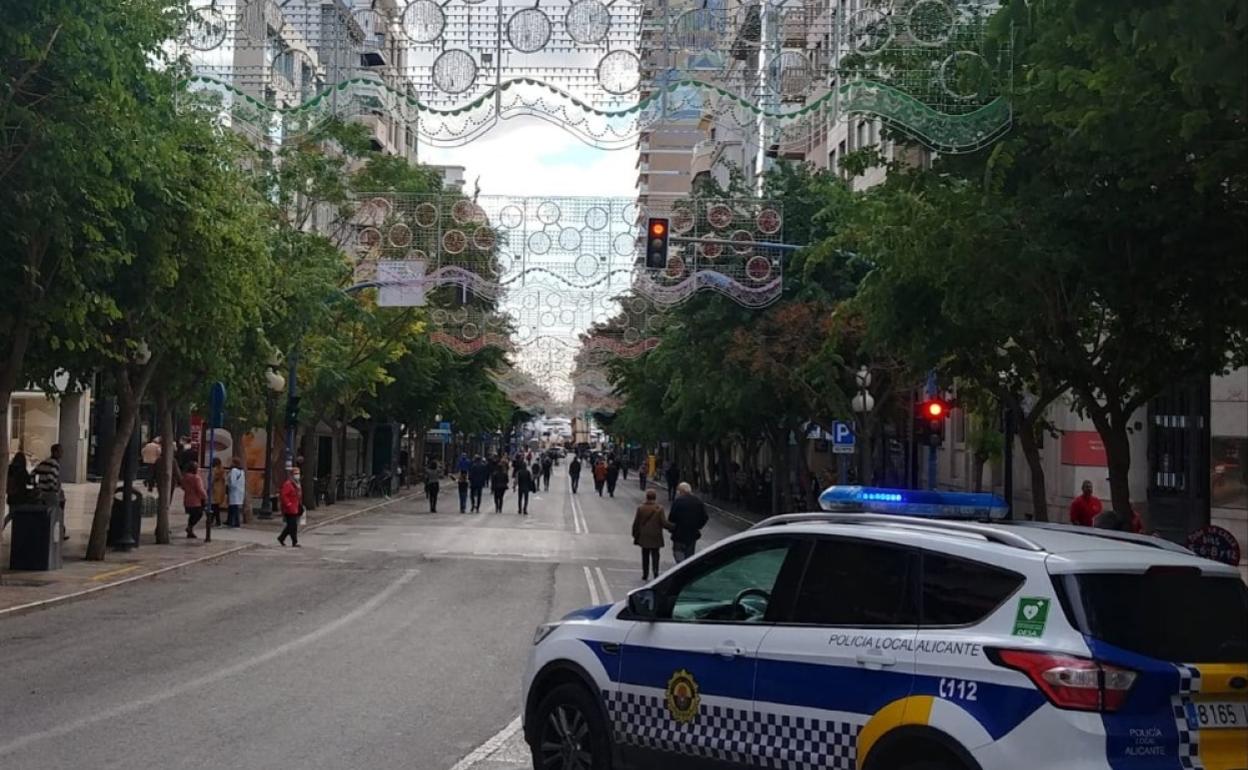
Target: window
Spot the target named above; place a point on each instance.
(735, 587)
(957, 592)
(17, 423)
(1177, 616)
(855, 583)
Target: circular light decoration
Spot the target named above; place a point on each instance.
(930, 22)
(966, 76)
(632, 336)
(469, 331)
(539, 242)
(554, 300)
(682, 220)
(586, 265)
(588, 22)
(368, 239)
(548, 212)
(596, 218)
(439, 317)
(417, 254)
(426, 215)
(619, 72)
(624, 244)
(698, 30)
(400, 236)
(769, 221)
(743, 242)
(569, 239)
(711, 250)
(675, 267)
(790, 74)
(758, 269)
(454, 71)
(637, 305)
(205, 28)
(483, 239)
(870, 30)
(423, 21)
(631, 214)
(462, 212)
(528, 30)
(511, 217)
(720, 216)
(454, 242)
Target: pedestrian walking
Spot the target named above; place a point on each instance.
(613, 475)
(150, 454)
(1086, 507)
(47, 483)
(292, 509)
(547, 466)
(218, 491)
(499, 483)
(526, 482)
(462, 484)
(687, 518)
(463, 464)
(624, 468)
(432, 475)
(574, 472)
(236, 493)
(600, 475)
(648, 525)
(194, 497)
(673, 478)
(642, 475)
(478, 478)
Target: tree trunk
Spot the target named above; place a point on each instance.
(1028, 426)
(1118, 458)
(164, 466)
(127, 416)
(342, 445)
(308, 449)
(19, 341)
(980, 460)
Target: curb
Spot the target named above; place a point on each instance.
(23, 609)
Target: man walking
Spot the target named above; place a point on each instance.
(613, 475)
(498, 484)
(478, 477)
(600, 475)
(1086, 507)
(547, 464)
(236, 493)
(525, 483)
(574, 472)
(432, 475)
(673, 478)
(292, 509)
(47, 477)
(648, 525)
(688, 517)
(150, 455)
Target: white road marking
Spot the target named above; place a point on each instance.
(606, 589)
(579, 526)
(593, 590)
(216, 676)
(483, 752)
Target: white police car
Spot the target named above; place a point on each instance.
(877, 641)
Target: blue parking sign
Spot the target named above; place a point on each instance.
(842, 438)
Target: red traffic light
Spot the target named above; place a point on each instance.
(658, 227)
(935, 409)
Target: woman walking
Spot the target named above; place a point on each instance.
(499, 482)
(463, 491)
(526, 482)
(648, 525)
(600, 475)
(194, 497)
(292, 509)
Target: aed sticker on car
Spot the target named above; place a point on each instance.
(1032, 615)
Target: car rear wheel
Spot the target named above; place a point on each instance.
(570, 733)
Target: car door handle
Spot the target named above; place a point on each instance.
(729, 650)
(875, 660)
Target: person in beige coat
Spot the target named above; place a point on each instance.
(648, 525)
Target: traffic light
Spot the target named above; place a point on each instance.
(929, 421)
(292, 411)
(657, 232)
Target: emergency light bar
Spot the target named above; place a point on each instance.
(913, 502)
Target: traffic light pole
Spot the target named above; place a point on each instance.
(930, 391)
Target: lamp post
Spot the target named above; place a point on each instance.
(862, 404)
(274, 383)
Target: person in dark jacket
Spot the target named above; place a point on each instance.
(478, 479)
(461, 485)
(499, 482)
(648, 525)
(688, 517)
(673, 478)
(547, 466)
(525, 483)
(574, 473)
(432, 476)
(292, 507)
(613, 475)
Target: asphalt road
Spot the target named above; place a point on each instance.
(394, 639)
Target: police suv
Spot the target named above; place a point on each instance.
(914, 634)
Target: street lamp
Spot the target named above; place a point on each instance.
(275, 383)
(862, 404)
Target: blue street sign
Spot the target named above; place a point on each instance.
(842, 438)
(217, 405)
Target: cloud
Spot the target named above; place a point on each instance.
(530, 157)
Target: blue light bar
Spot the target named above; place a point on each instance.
(913, 502)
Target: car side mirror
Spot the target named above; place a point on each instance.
(643, 604)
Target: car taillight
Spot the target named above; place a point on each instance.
(1069, 682)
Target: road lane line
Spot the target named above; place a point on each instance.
(594, 601)
(216, 676)
(483, 752)
(115, 572)
(578, 515)
(606, 589)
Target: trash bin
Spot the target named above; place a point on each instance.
(120, 520)
(35, 544)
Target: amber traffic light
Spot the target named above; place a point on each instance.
(657, 232)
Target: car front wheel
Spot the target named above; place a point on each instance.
(570, 732)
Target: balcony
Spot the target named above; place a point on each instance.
(378, 131)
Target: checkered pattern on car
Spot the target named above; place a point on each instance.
(721, 733)
(1181, 703)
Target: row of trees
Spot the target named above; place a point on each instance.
(1098, 253)
(154, 251)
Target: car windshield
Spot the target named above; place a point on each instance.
(1176, 616)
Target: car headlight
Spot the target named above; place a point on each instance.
(543, 631)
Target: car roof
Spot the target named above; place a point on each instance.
(1066, 548)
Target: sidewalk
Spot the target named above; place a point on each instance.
(28, 591)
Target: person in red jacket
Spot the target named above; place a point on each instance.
(292, 509)
(1085, 508)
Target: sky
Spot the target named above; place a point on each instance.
(530, 157)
